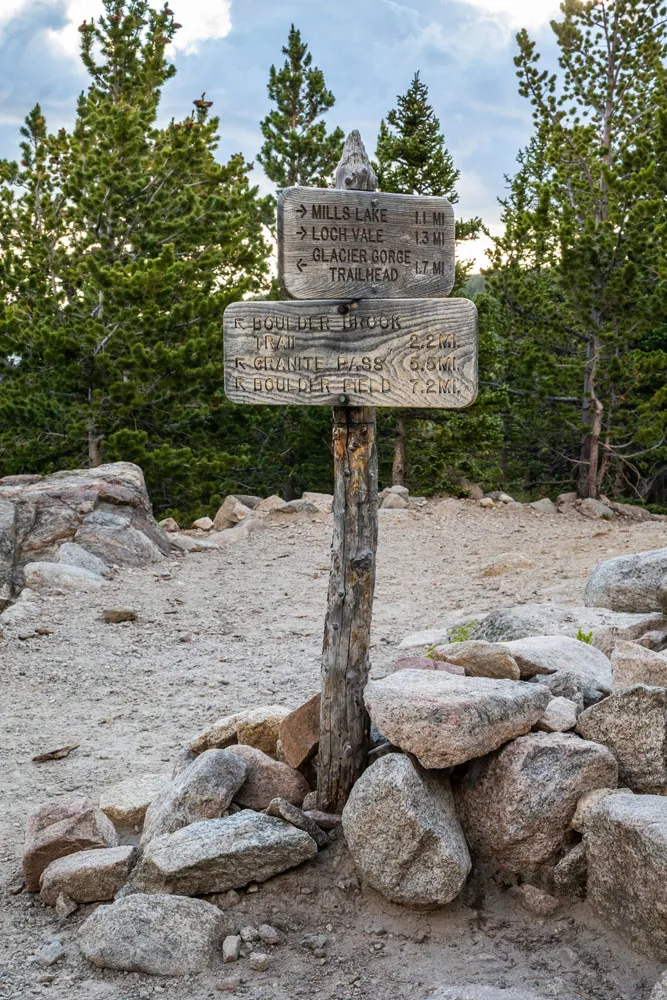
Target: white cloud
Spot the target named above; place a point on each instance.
(519, 13)
(200, 20)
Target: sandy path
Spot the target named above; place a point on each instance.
(226, 630)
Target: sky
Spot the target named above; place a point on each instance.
(368, 50)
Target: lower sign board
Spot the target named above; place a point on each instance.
(388, 352)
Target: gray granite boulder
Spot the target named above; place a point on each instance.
(633, 663)
(444, 719)
(636, 582)
(87, 876)
(202, 790)
(105, 511)
(626, 839)
(403, 833)
(516, 805)
(605, 626)
(215, 855)
(551, 654)
(633, 724)
(159, 935)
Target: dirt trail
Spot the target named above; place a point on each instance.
(231, 629)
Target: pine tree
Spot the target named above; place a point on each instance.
(604, 206)
(297, 148)
(121, 243)
(411, 158)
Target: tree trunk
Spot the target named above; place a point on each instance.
(398, 468)
(592, 415)
(344, 722)
(94, 447)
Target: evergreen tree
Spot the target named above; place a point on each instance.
(603, 208)
(121, 243)
(297, 148)
(411, 158)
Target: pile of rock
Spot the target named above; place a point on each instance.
(239, 516)
(602, 509)
(398, 498)
(68, 530)
(229, 815)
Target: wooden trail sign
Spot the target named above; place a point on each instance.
(400, 353)
(364, 244)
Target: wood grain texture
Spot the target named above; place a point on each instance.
(399, 353)
(344, 723)
(363, 245)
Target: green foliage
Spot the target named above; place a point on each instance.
(297, 148)
(462, 633)
(579, 275)
(584, 636)
(121, 243)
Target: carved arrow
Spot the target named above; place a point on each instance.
(301, 211)
(300, 264)
(303, 232)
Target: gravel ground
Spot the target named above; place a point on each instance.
(231, 629)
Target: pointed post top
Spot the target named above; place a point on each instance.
(354, 171)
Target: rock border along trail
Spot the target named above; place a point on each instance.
(223, 630)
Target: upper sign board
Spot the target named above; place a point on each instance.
(391, 352)
(364, 244)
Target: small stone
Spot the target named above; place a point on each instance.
(570, 872)
(428, 663)
(231, 949)
(230, 984)
(50, 953)
(567, 498)
(300, 733)
(87, 876)
(65, 906)
(256, 727)
(269, 934)
(59, 827)
(545, 505)
(126, 803)
(479, 658)
(258, 961)
(203, 524)
(162, 935)
(169, 524)
(655, 640)
(314, 942)
(249, 934)
(508, 562)
(115, 616)
(232, 898)
(324, 501)
(560, 716)
(310, 802)
(486, 502)
(326, 821)
(270, 504)
(295, 816)
(595, 509)
(267, 779)
(203, 790)
(231, 513)
(535, 900)
(394, 502)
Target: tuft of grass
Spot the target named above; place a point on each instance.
(585, 636)
(462, 632)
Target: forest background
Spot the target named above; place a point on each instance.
(122, 242)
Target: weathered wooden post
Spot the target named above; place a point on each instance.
(374, 328)
(344, 723)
